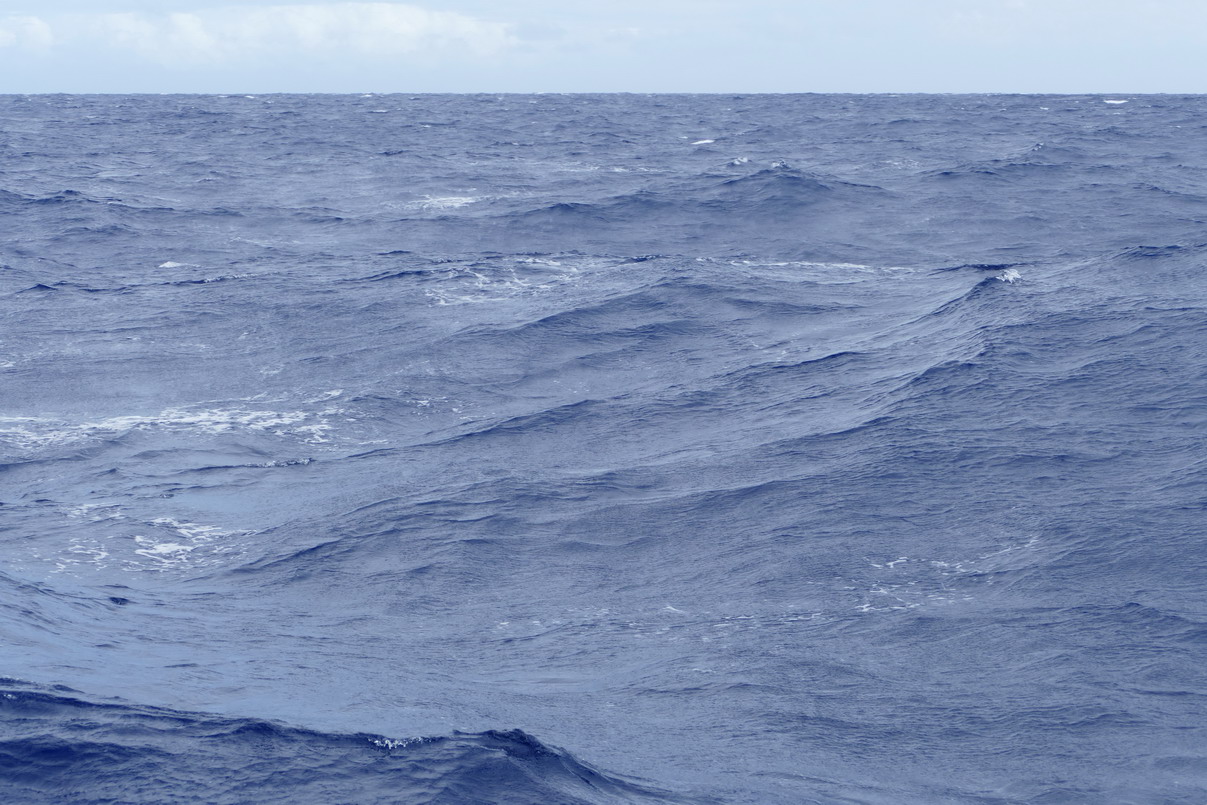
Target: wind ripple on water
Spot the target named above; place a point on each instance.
(766, 449)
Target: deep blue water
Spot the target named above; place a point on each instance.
(594, 449)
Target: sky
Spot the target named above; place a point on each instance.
(260, 46)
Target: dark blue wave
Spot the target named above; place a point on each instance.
(60, 747)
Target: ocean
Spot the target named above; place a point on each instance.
(573, 449)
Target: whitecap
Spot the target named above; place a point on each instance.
(27, 432)
(1009, 275)
(188, 543)
(95, 512)
(1113, 101)
(194, 532)
(703, 142)
(119, 541)
(394, 743)
(446, 202)
(164, 551)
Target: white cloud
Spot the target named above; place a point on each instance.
(234, 34)
(31, 33)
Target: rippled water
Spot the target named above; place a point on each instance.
(566, 449)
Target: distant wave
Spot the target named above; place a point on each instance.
(779, 190)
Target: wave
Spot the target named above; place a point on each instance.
(60, 746)
(1153, 252)
(806, 448)
(32, 432)
(775, 191)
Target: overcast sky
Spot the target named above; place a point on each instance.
(1109, 46)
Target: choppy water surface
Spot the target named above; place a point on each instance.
(592, 449)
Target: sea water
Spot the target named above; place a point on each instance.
(594, 449)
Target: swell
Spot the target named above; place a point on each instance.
(779, 190)
(60, 746)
